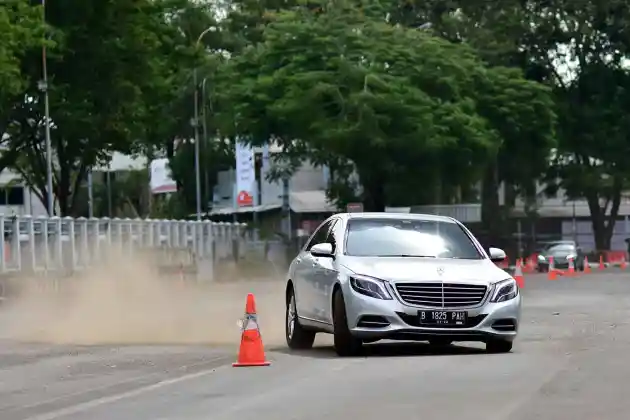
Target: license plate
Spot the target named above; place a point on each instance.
(446, 318)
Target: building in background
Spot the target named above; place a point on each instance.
(18, 199)
(307, 187)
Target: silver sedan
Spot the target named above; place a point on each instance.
(365, 277)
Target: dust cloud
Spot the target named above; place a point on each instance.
(127, 302)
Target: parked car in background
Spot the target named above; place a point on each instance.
(561, 252)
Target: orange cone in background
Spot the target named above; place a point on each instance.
(602, 266)
(623, 264)
(251, 351)
(531, 265)
(551, 272)
(518, 274)
(587, 267)
(571, 271)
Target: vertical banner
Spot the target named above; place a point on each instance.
(161, 180)
(245, 175)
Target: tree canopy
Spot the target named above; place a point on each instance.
(426, 102)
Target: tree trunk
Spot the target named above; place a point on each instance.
(603, 224)
(374, 198)
(490, 208)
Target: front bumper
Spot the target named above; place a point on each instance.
(564, 265)
(374, 319)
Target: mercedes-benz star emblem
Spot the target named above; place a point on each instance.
(440, 270)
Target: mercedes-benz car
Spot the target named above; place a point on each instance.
(561, 252)
(365, 277)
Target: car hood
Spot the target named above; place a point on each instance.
(410, 269)
(558, 255)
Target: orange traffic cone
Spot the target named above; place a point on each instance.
(623, 264)
(587, 267)
(571, 271)
(251, 351)
(518, 275)
(602, 266)
(531, 265)
(551, 272)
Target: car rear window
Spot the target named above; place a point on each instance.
(408, 238)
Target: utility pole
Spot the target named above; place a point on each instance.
(195, 123)
(43, 86)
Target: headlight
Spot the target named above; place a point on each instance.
(504, 290)
(369, 286)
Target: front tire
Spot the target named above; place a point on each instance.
(345, 343)
(297, 337)
(499, 346)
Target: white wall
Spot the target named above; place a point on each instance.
(584, 234)
(32, 204)
(559, 206)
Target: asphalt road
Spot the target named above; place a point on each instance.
(570, 362)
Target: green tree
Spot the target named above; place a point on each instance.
(22, 29)
(579, 49)
(341, 85)
(523, 112)
(583, 46)
(170, 123)
(113, 61)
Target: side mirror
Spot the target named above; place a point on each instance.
(323, 249)
(497, 255)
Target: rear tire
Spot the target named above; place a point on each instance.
(499, 346)
(297, 337)
(346, 344)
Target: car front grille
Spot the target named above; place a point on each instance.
(441, 295)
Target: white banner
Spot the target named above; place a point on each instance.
(161, 180)
(245, 175)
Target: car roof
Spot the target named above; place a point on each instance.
(397, 216)
(561, 245)
(555, 243)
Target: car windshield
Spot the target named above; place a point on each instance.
(562, 248)
(408, 238)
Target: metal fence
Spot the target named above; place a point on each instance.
(53, 244)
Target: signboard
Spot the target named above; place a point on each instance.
(354, 208)
(161, 180)
(245, 175)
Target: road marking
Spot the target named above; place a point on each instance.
(130, 381)
(64, 412)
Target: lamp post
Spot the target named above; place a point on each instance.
(43, 87)
(204, 124)
(196, 128)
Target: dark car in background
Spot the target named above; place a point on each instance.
(561, 252)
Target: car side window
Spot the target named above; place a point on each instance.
(319, 236)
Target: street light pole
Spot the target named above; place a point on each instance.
(44, 87)
(197, 168)
(196, 128)
(204, 124)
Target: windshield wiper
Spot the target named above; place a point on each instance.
(407, 256)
